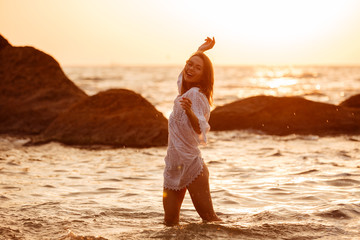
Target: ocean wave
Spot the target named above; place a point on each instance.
(91, 78)
(126, 223)
(341, 212)
(73, 236)
(241, 231)
(302, 75)
(307, 172)
(343, 182)
(9, 233)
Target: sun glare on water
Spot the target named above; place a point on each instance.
(275, 82)
(275, 79)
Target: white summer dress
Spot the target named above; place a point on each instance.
(183, 161)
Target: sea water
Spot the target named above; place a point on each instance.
(263, 186)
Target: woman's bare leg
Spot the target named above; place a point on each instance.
(200, 195)
(172, 201)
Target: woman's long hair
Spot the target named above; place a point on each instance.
(206, 83)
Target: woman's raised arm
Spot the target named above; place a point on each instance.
(207, 45)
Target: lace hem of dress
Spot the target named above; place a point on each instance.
(178, 188)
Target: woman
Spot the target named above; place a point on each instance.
(188, 125)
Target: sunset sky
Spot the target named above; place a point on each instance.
(152, 32)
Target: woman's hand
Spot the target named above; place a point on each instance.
(209, 44)
(186, 104)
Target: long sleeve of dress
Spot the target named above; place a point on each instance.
(179, 82)
(200, 107)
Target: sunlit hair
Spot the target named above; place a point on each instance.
(206, 83)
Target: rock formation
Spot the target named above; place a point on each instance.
(36, 98)
(115, 117)
(33, 90)
(353, 102)
(286, 115)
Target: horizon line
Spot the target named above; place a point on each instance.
(217, 65)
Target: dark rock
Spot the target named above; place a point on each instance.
(115, 117)
(286, 115)
(4, 43)
(36, 97)
(352, 102)
(33, 90)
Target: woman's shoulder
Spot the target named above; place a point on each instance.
(195, 92)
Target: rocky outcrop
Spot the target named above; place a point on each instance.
(33, 90)
(36, 98)
(352, 102)
(115, 117)
(286, 115)
(4, 43)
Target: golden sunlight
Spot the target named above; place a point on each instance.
(280, 22)
(165, 32)
(275, 31)
(275, 78)
(277, 81)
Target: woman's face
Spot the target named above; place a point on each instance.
(193, 69)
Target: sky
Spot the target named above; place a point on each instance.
(167, 32)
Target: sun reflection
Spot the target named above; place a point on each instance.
(279, 82)
(282, 81)
(275, 82)
(275, 78)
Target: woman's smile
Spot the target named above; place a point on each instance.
(193, 69)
